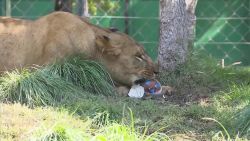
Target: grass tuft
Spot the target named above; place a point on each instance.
(242, 122)
(35, 88)
(89, 75)
(223, 136)
(55, 84)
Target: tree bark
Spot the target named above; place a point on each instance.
(126, 19)
(82, 6)
(177, 22)
(63, 5)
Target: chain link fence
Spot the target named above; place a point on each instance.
(222, 28)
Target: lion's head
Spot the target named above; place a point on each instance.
(124, 58)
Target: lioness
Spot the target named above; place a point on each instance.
(60, 34)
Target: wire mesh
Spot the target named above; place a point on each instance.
(222, 26)
(223, 29)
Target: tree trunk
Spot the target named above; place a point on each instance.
(177, 21)
(63, 5)
(82, 6)
(126, 19)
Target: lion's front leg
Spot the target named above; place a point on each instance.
(122, 90)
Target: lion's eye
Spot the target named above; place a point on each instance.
(139, 58)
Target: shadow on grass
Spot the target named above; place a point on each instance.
(200, 78)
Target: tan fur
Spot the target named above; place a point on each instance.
(24, 43)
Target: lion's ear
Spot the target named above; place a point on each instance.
(102, 42)
(104, 45)
(113, 29)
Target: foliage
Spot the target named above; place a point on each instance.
(109, 6)
(56, 83)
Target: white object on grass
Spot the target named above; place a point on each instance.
(136, 91)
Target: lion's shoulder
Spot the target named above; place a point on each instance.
(61, 16)
(8, 21)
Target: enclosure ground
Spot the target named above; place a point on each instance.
(201, 92)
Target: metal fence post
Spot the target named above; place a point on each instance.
(126, 15)
(8, 8)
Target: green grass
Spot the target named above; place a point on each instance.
(201, 76)
(89, 75)
(236, 103)
(49, 124)
(56, 83)
(36, 88)
(224, 134)
(203, 90)
(207, 90)
(242, 122)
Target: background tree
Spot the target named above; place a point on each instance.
(63, 5)
(107, 6)
(177, 21)
(82, 7)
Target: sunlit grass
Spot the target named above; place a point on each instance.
(237, 98)
(242, 122)
(224, 134)
(222, 94)
(48, 124)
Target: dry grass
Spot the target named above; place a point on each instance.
(20, 123)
